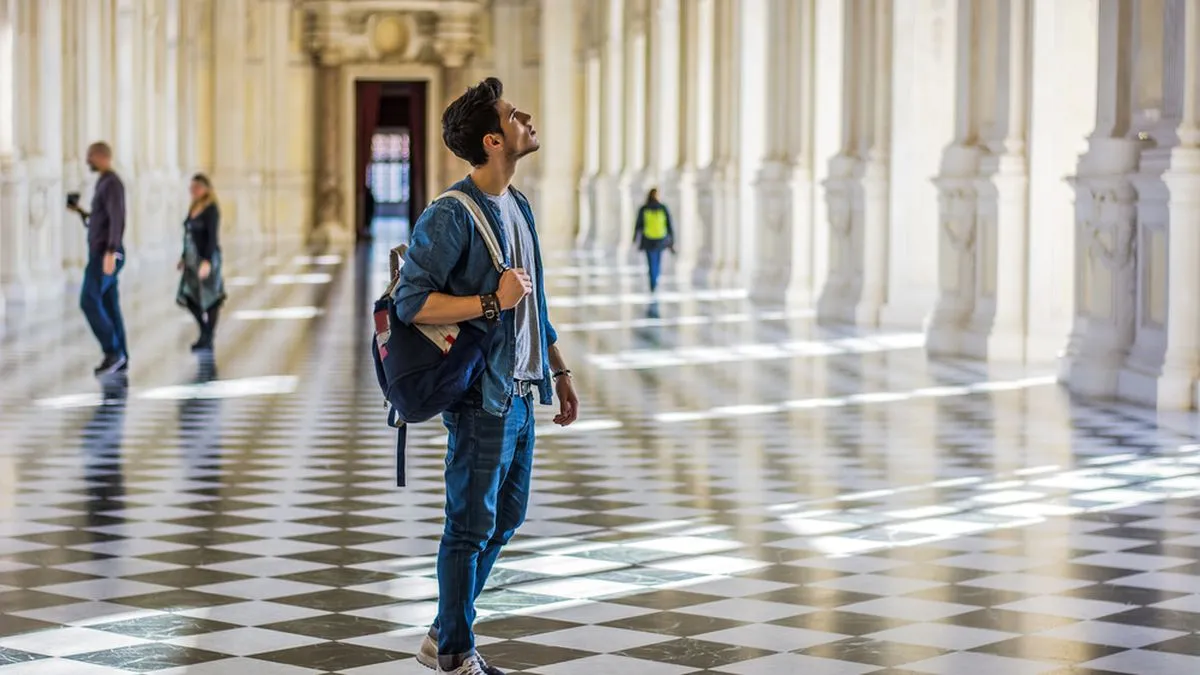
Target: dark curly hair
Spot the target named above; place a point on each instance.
(471, 117)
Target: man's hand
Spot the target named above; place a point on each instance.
(568, 401)
(515, 284)
(179, 265)
(110, 264)
(205, 269)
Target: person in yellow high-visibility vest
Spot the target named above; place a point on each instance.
(654, 234)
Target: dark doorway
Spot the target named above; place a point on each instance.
(390, 158)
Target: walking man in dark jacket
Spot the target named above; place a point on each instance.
(99, 297)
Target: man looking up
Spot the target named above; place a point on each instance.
(448, 277)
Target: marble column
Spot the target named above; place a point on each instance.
(997, 326)
(635, 177)
(1164, 362)
(1062, 109)
(558, 209)
(820, 85)
(231, 110)
(726, 173)
(981, 181)
(589, 205)
(608, 183)
(694, 216)
(12, 179)
(857, 187)
(1105, 220)
(922, 62)
(664, 119)
(780, 105)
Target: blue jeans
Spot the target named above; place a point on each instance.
(489, 464)
(100, 301)
(654, 260)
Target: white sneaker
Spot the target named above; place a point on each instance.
(428, 657)
(472, 666)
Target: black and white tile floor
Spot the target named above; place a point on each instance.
(747, 494)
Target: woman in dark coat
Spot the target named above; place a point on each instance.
(653, 234)
(201, 287)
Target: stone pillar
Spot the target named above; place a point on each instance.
(722, 177)
(959, 265)
(922, 111)
(12, 196)
(589, 205)
(31, 150)
(693, 217)
(997, 326)
(286, 124)
(635, 176)
(230, 113)
(780, 107)
(558, 210)
(1105, 248)
(1062, 108)
(857, 187)
(608, 193)
(1164, 362)
(820, 85)
(665, 123)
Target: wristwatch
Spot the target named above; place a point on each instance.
(491, 307)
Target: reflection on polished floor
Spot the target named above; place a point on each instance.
(747, 494)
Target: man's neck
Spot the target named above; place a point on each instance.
(494, 177)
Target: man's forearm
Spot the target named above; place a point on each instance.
(441, 308)
(557, 363)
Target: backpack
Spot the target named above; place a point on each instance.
(424, 370)
(654, 224)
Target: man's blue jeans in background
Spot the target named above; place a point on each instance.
(489, 465)
(100, 301)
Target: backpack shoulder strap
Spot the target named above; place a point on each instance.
(481, 225)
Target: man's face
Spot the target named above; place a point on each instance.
(91, 162)
(520, 138)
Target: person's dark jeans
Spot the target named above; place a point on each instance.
(654, 260)
(488, 469)
(100, 301)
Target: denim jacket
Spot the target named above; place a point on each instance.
(447, 255)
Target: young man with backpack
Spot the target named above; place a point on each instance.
(449, 277)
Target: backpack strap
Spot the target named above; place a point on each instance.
(481, 225)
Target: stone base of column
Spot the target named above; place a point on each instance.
(1167, 387)
(801, 288)
(330, 230)
(704, 262)
(29, 272)
(607, 208)
(727, 269)
(947, 324)
(1088, 367)
(838, 301)
(1102, 334)
(687, 224)
(586, 237)
(773, 214)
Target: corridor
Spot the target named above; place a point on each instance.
(746, 493)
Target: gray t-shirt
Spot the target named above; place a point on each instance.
(528, 323)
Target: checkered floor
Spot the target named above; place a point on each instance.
(747, 493)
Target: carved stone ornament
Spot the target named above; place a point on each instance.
(39, 203)
(369, 31)
(1108, 234)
